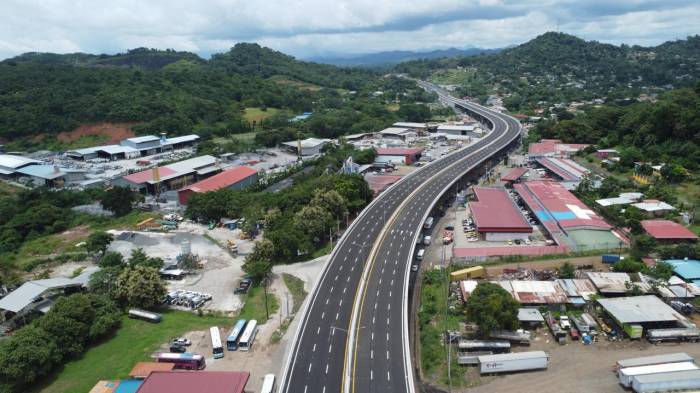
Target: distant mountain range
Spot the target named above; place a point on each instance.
(390, 58)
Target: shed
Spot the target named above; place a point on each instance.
(530, 316)
(143, 369)
(236, 178)
(668, 231)
(647, 311)
(398, 155)
(309, 146)
(195, 381)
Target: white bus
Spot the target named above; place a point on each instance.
(217, 348)
(246, 341)
(268, 384)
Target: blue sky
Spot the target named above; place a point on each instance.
(305, 28)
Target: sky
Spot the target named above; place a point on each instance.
(308, 28)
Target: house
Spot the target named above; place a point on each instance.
(172, 176)
(653, 207)
(236, 178)
(667, 231)
(398, 155)
(606, 153)
(309, 146)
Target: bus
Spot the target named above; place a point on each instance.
(268, 385)
(144, 315)
(248, 336)
(217, 348)
(232, 339)
(183, 361)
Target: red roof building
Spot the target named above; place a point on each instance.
(495, 212)
(195, 381)
(553, 148)
(236, 178)
(514, 174)
(667, 230)
(147, 175)
(399, 154)
(379, 183)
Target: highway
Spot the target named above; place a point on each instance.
(353, 332)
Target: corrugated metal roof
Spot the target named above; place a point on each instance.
(14, 162)
(449, 127)
(142, 139)
(653, 206)
(530, 315)
(394, 131)
(398, 151)
(192, 164)
(496, 212)
(667, 229)
(656, 359)
(224, 179)
(196, 381)
(308, 143)
(181, 139)
(640, 309)
(687, 269)
(43, 171)
(147, 175)
(23, 296)
(514, 174)
(404, 124)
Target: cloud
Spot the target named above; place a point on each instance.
(312, 27)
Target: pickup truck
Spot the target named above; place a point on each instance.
(564, 322)
(243, 286)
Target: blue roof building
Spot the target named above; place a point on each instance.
(687, 269)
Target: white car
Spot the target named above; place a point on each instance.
(182, 341)
(564, 322)
(414, 268)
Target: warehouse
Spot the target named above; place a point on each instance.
(195, 381)
(309, 146)
(496, 216)
(29, 295)
(667, 231)
(236, 178)
(400, 133)
(109, 152)
(398, 155)
(134, 147)
(624, 198)
(461, 130)
(146, 145)
(9, 164)
(172, 176)
(614, 283)
(568, 171)
(49, 175)
(637, 314)
(553, 148)
(411, 126)
(514, 175)
(566, 218)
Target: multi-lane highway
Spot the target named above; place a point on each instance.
(353, 332)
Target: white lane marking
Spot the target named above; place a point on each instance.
(387, 320)
(371, 354)
(323, 314)
(318, 331)
(371, 374)
(309, 367)
(314, 349)
(344, 289)
(389, 293)
(331, 289)
(327, 301)
(329, 348)
(372, 320)
(387, 355)
(375, 306)
(388, 376)
(372, 336)
(326, 370)
(337, 315)
(388, 306)
(306, 387)
(392, 282)
(336, 278)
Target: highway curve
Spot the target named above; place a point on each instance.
(353, 332)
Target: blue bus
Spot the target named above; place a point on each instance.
(232, 339)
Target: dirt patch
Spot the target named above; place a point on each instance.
(74, 234)
(115, 132)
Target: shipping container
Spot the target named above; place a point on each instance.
(468, 273)
(676, 357)
(483, 345)
(683, 334)
(521, 337)
(512, 362)
(611, 258)
(626, 375)
(675, 381)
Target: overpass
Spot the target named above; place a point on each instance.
(353, 332)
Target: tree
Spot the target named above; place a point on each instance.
(258, 264)
(140, 286)
(567, 270)
(140, 258)
(119, 200)
(492, 308)
(661, 270)
(313, 220)
(187, 261)
(103, 281)
(364, 156)
(628, 266)
(331, 201)
(112, 259)
(28, 355)
(642, 245)
(98, 241)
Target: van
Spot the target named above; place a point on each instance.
(419, 255)
(426, 240)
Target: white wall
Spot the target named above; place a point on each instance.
(505, 236)
(392, 159)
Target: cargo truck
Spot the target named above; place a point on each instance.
(676, 357)
(667, 382)
(626, 375)
(682, 334)
(513, 362)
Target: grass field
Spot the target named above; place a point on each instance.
(256, 114)
(254, 307)
(134, 341)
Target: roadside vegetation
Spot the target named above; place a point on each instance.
(296, 288)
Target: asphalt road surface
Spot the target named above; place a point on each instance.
(377, 353)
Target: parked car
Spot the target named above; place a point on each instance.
(564, 322)
(176, 348)
(182, 341)
(414, 268)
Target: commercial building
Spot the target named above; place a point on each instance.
(614, 283)
(195, 381)
(514, 175)
(109, 152)
(568, 171)
(411, 126)
(9, 164)
(568, 220)
(637, 314)
(496, 216)
(400, 133)
(398, 155)
(172, 176)
(667, 231)
(235, 179)
(463, 130)
(49, 175)
(553, 148)
(134, 147)
(38, 294)
(309, 146)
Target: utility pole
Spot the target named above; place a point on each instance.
(267, 310)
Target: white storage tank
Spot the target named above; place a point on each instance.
(186, 248)
(511, 362)
(626, 375)
(679, 380)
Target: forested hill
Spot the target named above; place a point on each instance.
(176, 92)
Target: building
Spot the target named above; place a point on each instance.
(568, 171)
(379, 183)
(535, 292)
(667, 231)
(146, 145)
(172, 176)
(236, 178)
(50, 175)
(411, 126)
(143, 369)
(514, 175)
(637, 314)
(624, 198)
(553, 148)
(195, 381)
(686, 269)
(568, 220)
(606, 153)
(461, 130)
(615, 284)
(309, 146)
(400, 133)
(301, 117)
(134, 147)
(38, 294)
(654, 208)
(9, 164)
(109, 152)
(530, 317)
(123, 386)
(496, 216)
(398, 155)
